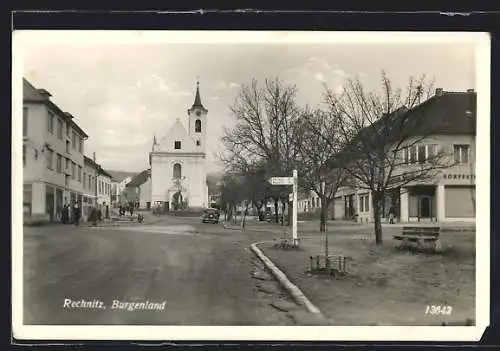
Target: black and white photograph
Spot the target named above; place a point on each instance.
(224, 185)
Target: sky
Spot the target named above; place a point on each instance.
(124, 93)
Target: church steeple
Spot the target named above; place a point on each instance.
(197, 98)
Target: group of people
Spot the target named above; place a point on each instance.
(123, 209)
(76, 213)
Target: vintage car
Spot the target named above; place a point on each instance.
(210, 215)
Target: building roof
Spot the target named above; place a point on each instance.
(98, 167)
(120, 175)
(31, 94)
(197, 98)
(139, 179)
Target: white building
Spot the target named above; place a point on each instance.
(450, 195)
(103, 187)
(89, 186)
(178, 171)
(53, 149)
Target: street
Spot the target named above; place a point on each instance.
(203, 274)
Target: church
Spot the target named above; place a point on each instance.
(178, 170)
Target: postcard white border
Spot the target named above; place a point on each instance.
(271, 333)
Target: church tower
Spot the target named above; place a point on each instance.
(198, 121)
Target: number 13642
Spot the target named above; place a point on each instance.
(438, 309)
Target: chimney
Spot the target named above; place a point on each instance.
(439, 91)
(45, 94)
(470, 90)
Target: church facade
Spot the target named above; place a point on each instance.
(178, 170)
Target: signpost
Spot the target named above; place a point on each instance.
(292, 197)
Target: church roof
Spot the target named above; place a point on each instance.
(197, 98)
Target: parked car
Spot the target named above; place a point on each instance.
(210, 215)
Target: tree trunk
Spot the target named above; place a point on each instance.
(290, 213)
(322, 221)
(283, 212)
(243, 218)
(376, 205)
(276, 210)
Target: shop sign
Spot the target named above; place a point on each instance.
(459, 176)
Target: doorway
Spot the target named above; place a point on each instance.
(425, 207)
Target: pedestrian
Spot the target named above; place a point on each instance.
(64, 214)
(77, 213)
(391, 215)
(131, 210)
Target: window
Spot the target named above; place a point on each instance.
(90, 181)
(68, 129)
(59, 129)
(364, 203)
(67, 146)
(25, 121)
(367, 203)
(432, 151)
(406, 155)
(421, 153)
(177, 145)
(67, 164)
(461, 153)
(197, 142)
(73, 141)
(50, 122)
(73, 170)
(49, 155)
(24, 155)
(413, 153)
(80, 144)
(84, 179)
(197, 126)
(59, 163)
(177, 171)
(361, 204)
(79, 173)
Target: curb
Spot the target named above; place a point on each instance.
(292, 289)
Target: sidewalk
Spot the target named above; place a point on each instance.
(148, 219)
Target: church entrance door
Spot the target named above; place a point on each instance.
(177, 201)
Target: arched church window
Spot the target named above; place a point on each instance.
(197, 126)
(177, 171)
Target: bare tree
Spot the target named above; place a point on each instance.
(383, 134)
(266, 133)
(318, 167)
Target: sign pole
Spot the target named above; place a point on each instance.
(295, 186)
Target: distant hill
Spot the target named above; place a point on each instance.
(121, 175)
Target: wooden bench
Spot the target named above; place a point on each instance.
(423, 237)
(286, 243)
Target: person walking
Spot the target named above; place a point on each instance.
(131, 210)
(64, 214)
(77, 212)
(391, 215)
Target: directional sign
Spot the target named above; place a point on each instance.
(281, 180)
